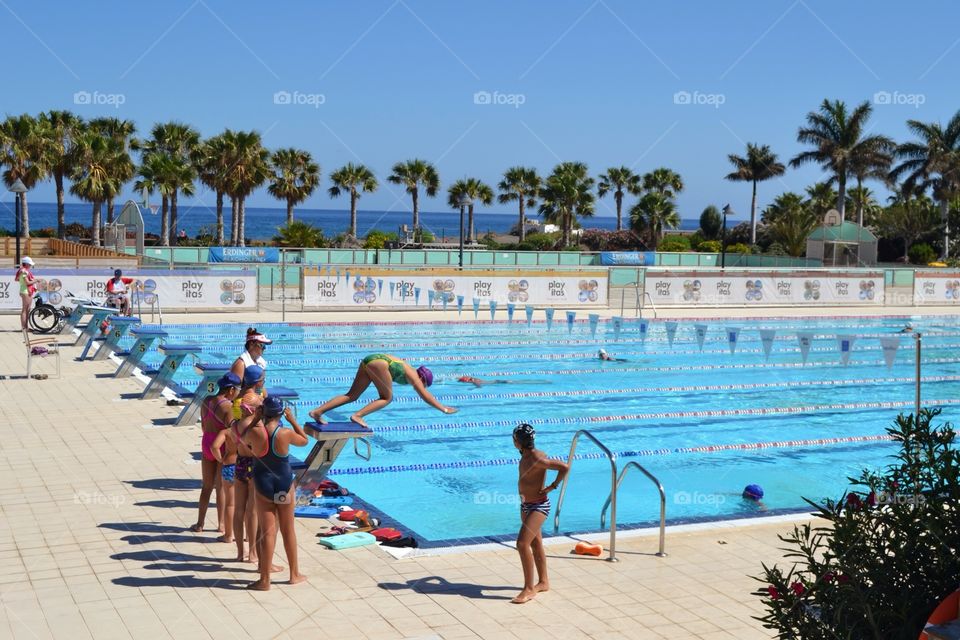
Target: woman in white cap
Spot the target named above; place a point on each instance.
(28, 287)
(252, 353)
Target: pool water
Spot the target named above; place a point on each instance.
(705, 423)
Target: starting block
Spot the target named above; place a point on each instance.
(119, 325)
(210, 372)
(174, 355)
(331, 439)
(131, 359)
(92, 329)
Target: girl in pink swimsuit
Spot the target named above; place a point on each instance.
(215, 413)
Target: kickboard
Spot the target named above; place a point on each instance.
(331, 501)
(314, 511)
(338, 427)
(348, 540)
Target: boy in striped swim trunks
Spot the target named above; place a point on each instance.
(534, 509)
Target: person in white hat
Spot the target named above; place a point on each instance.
(28, 286)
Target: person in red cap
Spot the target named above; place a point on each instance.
(382, 370)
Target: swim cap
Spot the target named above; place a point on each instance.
(252, 375)
(425, 375)
(228, 380)
(524, 433)
(117, 273)
(753, 492)
(602, 352)
(464, 379)
(272, 407)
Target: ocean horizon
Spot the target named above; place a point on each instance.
(262, 222)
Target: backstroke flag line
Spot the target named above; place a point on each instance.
(416, 296)
(805, 339)
(617, 326)
(571, 316)
(643, 325)
(889, 344)
(529, 311)
(671, 331)
(846, 346)
(493, 308)
(459, 304)
(510, 309)
(594, 319)
(476, 307)
(733, 335)
(430, 295)
(766, 340)
(549, 312)
(701, 330)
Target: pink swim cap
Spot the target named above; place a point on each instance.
(425, 375)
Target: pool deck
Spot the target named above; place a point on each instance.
(97, 492)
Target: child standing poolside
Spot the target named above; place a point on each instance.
(534, 509)
(214, 419)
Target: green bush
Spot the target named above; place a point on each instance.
(921, 253)
(539, 242)
(300, 234)
(490, 242)
(425, 236)
(674, 243)
(776, 249)
(45, 232)
(75, 229)
(377, 239)
(738, 248)
(709, 246)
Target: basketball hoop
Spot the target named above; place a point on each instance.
(154, 208)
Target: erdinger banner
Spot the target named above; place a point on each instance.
(941, 287)
(765, 288)
(226, 290)
(560, 288)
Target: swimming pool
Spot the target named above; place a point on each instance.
(705, 423)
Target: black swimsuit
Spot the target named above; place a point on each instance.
(272, 474)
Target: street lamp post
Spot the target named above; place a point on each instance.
(464, 202)
(18, 189)
(727, 210)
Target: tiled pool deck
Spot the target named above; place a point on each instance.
(96, 494)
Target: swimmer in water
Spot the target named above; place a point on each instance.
(479, 382)
(907, 329)
(754, 493)
(603, 355)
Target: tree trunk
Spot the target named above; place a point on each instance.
(219, 234)
(945, 218)
(95, 224)
(289, 212)
(164, 222)
(61, 212)
(241, 215)
(416, 209)
(523, 220)
(110, 210)
(472, 236)
(618, 196)
(173, 218)
(233, 220)
(24, 217)
(565, 235)
(753, 215)
(353, 211)
(842, 196)
(859, 201)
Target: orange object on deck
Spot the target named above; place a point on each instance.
(588, 549)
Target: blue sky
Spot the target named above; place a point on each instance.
(596, 81)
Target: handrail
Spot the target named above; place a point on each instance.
(612, 457)
(646, 294)
(663, 501)
(357, 451)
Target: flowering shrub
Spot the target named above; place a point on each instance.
(887, 554)
(600, 240)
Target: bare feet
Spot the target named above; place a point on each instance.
(359, 420)
(541, 586)
(317, 417)
(224, 538)
(259, 585)
(275, 568)
(525, 596)
(197, 528)
(220, 529)
(239, 558)
(297, 579)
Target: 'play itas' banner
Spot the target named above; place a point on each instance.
(562, 289)
(762, 288)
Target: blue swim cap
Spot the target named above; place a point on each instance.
(272, 407)
(228, 380)
(753, 492)
(252, 375)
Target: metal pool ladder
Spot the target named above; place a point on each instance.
(611, 502)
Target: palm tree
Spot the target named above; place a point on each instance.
(21, 151)
(93, 177)
(353, 178)
(299, 234)
(664, 181)
(477, 191)
(908, 217)
(209, 159)
(654, 212)
(861, 200)
(523, 185)
(567, 193)
(932, 161)
(61, 129)
(412, 174)
(871, 163)
(789, 221)
(839, 142)
(154, 175)
(295, 177)
(179, 142)
(619, 180)
(821, 198)
(758, 165)
(122, 132)
(247, 168)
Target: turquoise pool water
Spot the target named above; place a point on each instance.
(454, 477)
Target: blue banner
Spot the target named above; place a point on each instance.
(628, 258)
(244, 254)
